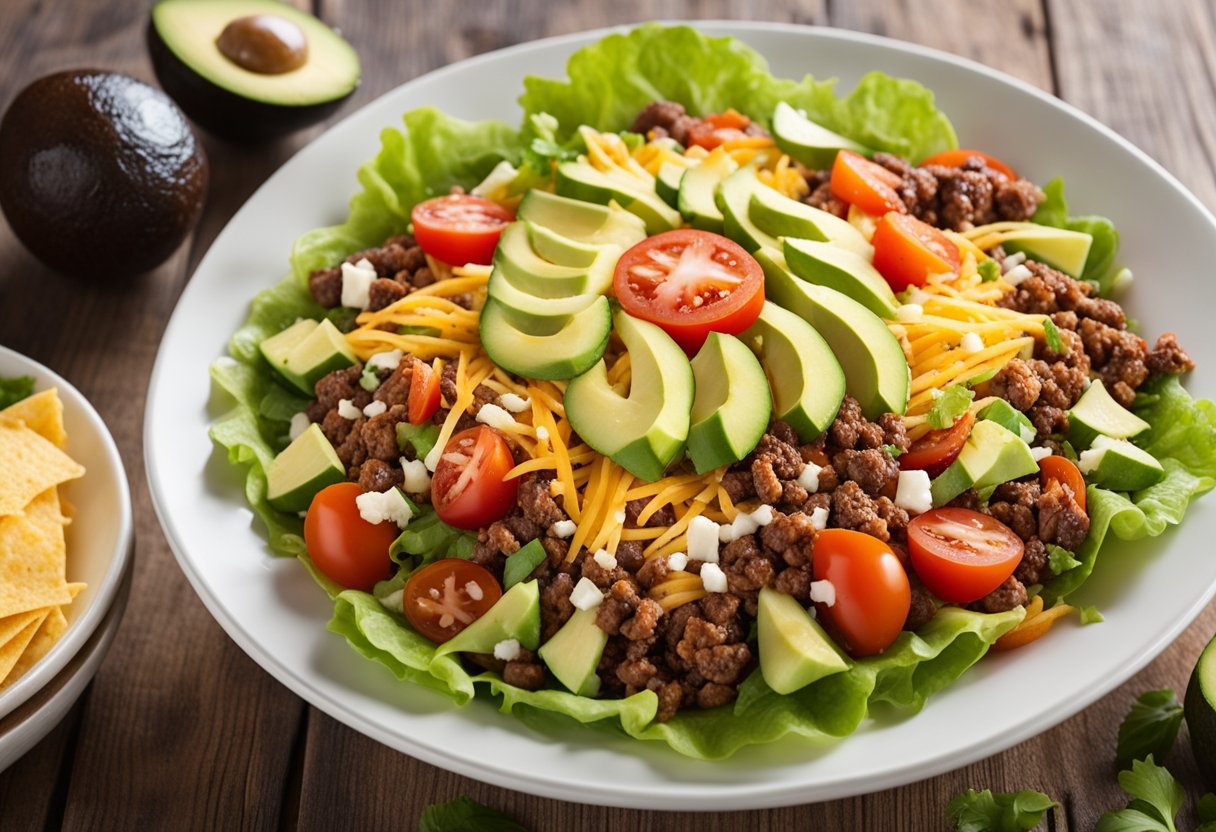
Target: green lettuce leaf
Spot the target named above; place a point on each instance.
(13, 390)
(1100, 265)
(612, 80)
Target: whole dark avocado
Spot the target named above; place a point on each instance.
(100, 174)
(250, 70)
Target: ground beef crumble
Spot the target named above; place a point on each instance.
(400, 265)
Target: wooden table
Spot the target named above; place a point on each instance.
(181, 730)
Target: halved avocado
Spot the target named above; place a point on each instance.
(250, 70)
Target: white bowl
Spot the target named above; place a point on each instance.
(100, 539)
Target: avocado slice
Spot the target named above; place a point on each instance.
(646, 430)
(562, 354)
(1097, 414)
(734, 198)
(306, 351)
(807, 142)
(559, 249)
(794, 649)
(875, 369)
(992, 455)
(581, 180)
(1118, 465)
(191, 41)
(732, 406)
(845, 271)
(574, 653)
(1199, 707)
(532, 314)
(1060, 248)
(302, 469)
(583, 222)
(697, 188)
(805, 377)
(515, 615)
(1010, 418)
(667, 182)
(776, 214)
(519, 263)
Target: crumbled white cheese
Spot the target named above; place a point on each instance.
(387, 360)
(507, 650)
(374, 409)
(379, 506)
(743, 524)
(971, 343)
(1040, 454)
(823, 592)
(713, 578)
(357, 279)
(1026, 433)
(497, 179)
(431, 461)
(677, 561)
(226, 362)
(936, 393)
(819, 518)
(495, 416)
(394, 600)
(604, 559)
(619, 516)
(417, 479)
(347, 410)
(1123, 280)
(1015, 259)
(913, 493)
(563, 528)
(703, 539)
(808, 478)
(1017, 274)
(917, 296)
(542, 434)
(726, 533)
(514, 403)
(763, 515)
(1091, 459)
(299, 424)
(586, 595)
(910, 312)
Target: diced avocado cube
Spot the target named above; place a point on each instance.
(515, 615)
(794, 649)
(1060, 248)
(1011, 419)
(302, 469)
(1118, 465)
(306, 351)
(992, 455)
(1097, 413)
(574, 653)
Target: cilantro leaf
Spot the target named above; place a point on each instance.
(892, 451)
(1060, 560)
(989, 271)
(1090, 615)
(1150, 727)
(466, 815)
(520, 565)
(13, 390)
(984, 811)
(952, 403)
(1156, 800)
(1051, 334)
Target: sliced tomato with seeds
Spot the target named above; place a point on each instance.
(690, 283)
(468, 489)
(423, 399)
(962, 555)
(956, 158)
(443, 598)
(1064, 471)
(934, 451)
(907, 251)
(871, 187)
(460, 228)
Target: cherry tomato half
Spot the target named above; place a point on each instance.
(345, 547)
(690, 283)
(907, 251)
(423, 398)
(717, 128)
(443, 598)
(961, 555)
(872, 591)
(934, 451)
(1064, 471)
(955, 159)
(460, 228)
(871, 187)
(468, 489)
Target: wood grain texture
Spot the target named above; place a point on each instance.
(181, 730)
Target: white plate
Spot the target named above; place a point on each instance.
(271, 608)
(99, 538)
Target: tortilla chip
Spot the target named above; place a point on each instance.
(42, 413)
(29, 465)
(13, 624)
(10, 651)
(33, 557)
(53, 626)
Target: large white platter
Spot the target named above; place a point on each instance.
(1148, 592)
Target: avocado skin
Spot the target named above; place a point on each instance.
(225, 114)
(100, 173)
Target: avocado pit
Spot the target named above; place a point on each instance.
(264, 43)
